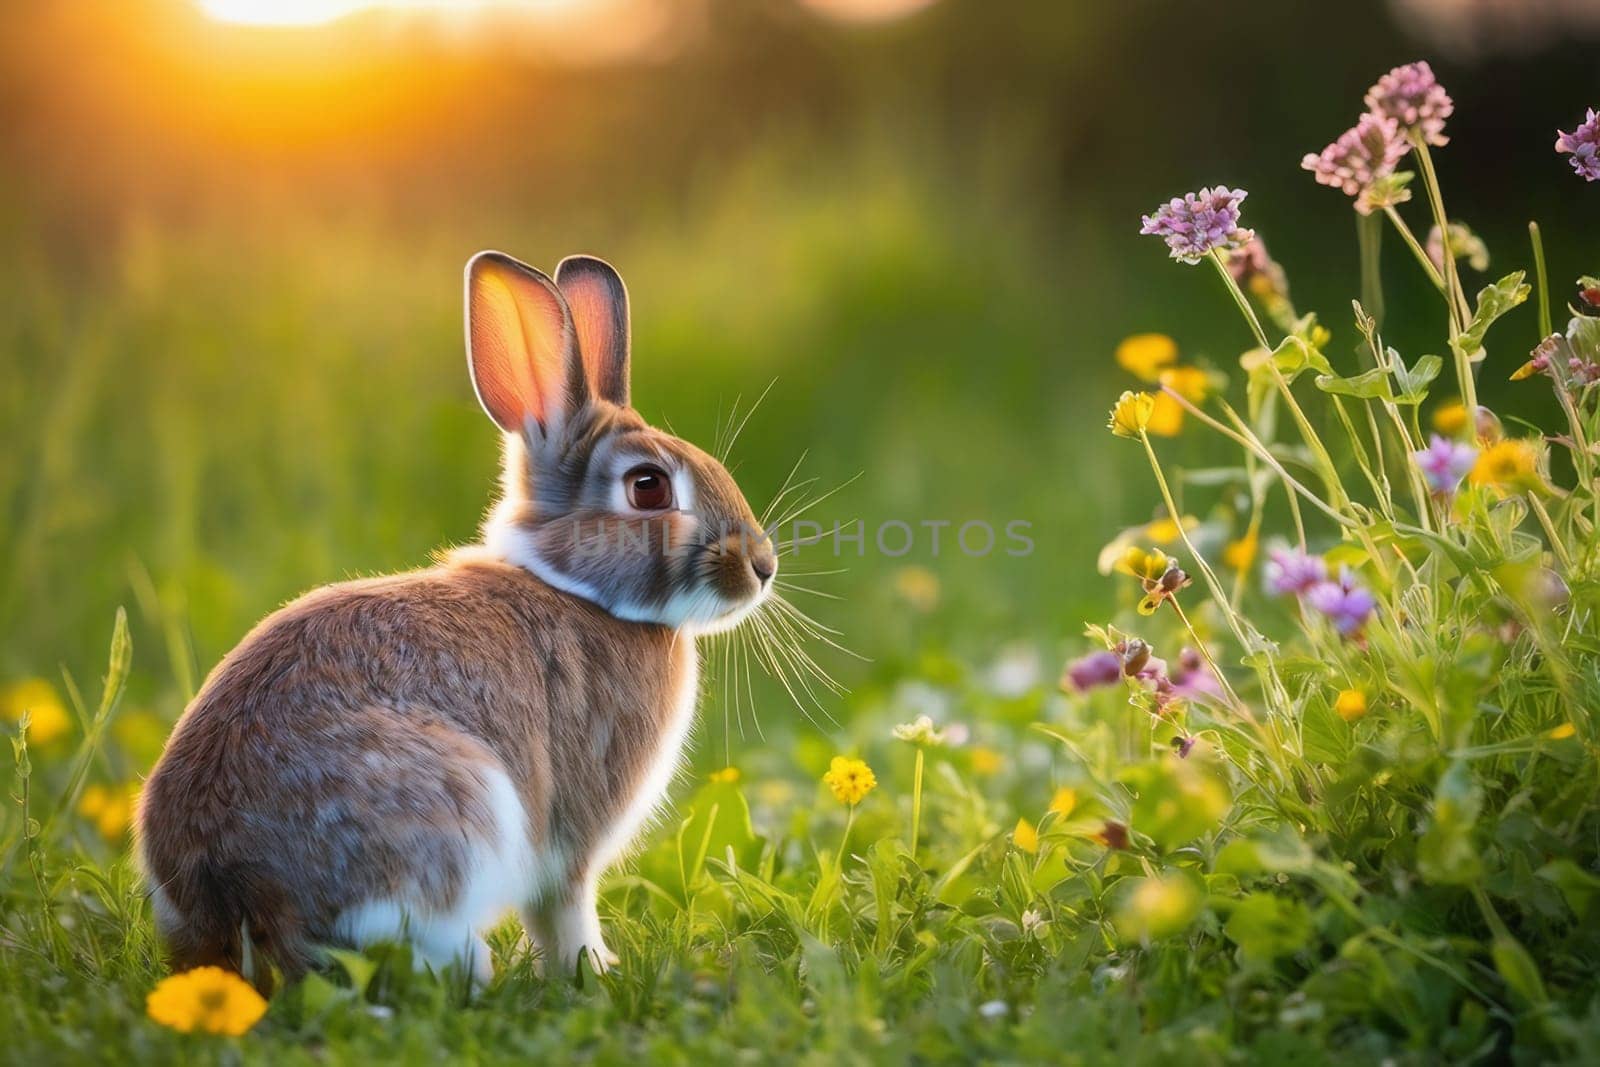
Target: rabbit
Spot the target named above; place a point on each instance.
(409, 758)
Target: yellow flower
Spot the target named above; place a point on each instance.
(47, 716)
(1145, 354)
(1166, 417)
(1146, 565)
(1157, 907)
(1450, 418)
(1350, 704)
(1132, 414)
(1025, 836)
(726, 776)
(1165, 531)
(1064, 801)
(1562, 732)
(1191, 383)
(917, 586)
(986, 760)
(1240, 554)
(1507, 464)
(208, 999)
(111, 810)
(849, 779)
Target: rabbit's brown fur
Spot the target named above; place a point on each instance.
(409, 757)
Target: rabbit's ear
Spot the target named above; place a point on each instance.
(599, 303)
(521, 348)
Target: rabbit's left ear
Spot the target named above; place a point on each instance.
(599, 303)
(521, 347)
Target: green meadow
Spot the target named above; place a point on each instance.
(232, 370)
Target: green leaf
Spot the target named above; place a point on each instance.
(1520, 972)
(1176, 800)
(1413, 384)
(356, 966)
(1368, 385)
(1266, 926)
(1577, 885)
(1493, 301)
(1446, 854)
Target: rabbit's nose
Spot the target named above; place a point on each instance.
(764, 564)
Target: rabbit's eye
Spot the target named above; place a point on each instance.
(649, 488)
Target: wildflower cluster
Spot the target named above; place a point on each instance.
(1583, 145)
(1435, 623)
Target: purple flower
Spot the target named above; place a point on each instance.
(1413, 97)
(1290, 570)
(1361, 157)
(1198, 223)
(1192, 677)
(1444, 463)
(1584, 145)
(1094, 670)
(1184, 745)
(1345, 602)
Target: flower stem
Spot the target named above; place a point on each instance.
(1556, 544)
(1206, 572)
(1422, 256)
(1205, 653)
(1544, 284)
(1240, 299)
(1244, 437)
(844, 842)
(916, 803)
(1330, 474)
(1459, 314)
(1369, 235)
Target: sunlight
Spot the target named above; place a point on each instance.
(320, 12)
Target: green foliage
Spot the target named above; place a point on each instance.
(1253, 873)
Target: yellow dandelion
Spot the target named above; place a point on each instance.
(986, 760)
(1507, 464)
(1026, 836)
(849, 779)
(208, 999)
(1350, 704)
(1241, 554)
(918, 587)
(47, 715)
(726, 776)
(1144, 355)
(1191, 383)
(1166, 417)
(111, 810)
(1562, 732)
(1132, 413)
(1450, 418)
(1065, 801)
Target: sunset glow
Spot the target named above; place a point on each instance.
(320, 12)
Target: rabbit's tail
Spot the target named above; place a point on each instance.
(233, 919)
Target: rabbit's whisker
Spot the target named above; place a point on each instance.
(800, 509)
(783, 489)
(722, 452)
(795, 587)
(785, 626)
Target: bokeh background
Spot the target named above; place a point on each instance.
(231, 236)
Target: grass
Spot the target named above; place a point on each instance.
(209, 435)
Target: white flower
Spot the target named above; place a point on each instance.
(919, 732)
(993, 1009)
